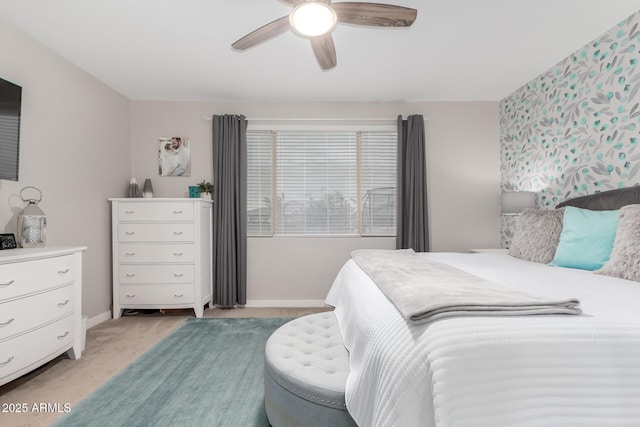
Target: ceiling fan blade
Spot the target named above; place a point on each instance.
(263, 33)
(375, 14)
(325, 51)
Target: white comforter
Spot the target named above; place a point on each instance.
(489, 371)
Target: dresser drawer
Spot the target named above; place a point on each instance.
(22, 278)
(132, 253)
(29, 349)
(20, 315)
(168, 273)
(142, 295)
(155, 233)
(161, 211)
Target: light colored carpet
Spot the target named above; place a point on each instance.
(110, 347)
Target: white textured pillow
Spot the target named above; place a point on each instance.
(624, 261)
(537, 235)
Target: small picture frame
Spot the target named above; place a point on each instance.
(174, 156)
(7, 241)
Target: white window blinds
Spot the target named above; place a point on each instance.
(321, 182)
(259, 182)
(378, 179)
(316, 183)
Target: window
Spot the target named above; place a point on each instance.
(259, 183)
(378, 177)
(332, 182)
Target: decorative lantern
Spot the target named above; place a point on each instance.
(32, 223)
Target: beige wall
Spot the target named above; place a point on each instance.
(464, 168)
(75, 147)
(463, 172)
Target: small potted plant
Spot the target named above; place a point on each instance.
(206, 188)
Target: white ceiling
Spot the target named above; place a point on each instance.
(180, 49)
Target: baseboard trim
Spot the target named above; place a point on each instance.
(96, 320)
(257, 303)
(286, 303)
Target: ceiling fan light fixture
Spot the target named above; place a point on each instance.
(312, 19)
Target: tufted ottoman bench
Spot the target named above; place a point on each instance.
(306, 368)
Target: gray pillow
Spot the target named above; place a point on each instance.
(537, 235)
(624, 261)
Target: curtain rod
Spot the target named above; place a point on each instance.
(304, 119)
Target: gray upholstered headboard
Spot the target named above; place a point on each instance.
(606, 200)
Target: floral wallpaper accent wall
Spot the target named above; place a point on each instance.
(575, 129)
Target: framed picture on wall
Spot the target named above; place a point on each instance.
(174, 156)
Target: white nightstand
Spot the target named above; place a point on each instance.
(489, 251)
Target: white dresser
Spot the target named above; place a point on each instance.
(161, 254)
(40, 307)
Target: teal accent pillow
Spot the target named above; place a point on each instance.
(586, 239)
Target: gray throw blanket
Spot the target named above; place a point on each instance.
(424, 291)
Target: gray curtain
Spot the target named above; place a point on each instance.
(229, 210)
(413, 231)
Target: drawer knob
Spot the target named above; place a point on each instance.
(178, 295)
(63, 336)
(9, 283)
(130, 275)
(7, 361)
(129, 212)
(177, 233)
(130, 253)
(7, 322)
(62, 304)
(131, 295)
(177, 212)
(63, 272)
(178, 274)
(129, 233)
(177, 253)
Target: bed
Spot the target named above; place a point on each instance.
(490, 370)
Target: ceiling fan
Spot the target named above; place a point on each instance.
(316, 19)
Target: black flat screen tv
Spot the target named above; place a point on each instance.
(10, 105)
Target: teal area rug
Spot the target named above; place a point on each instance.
(209, 372)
